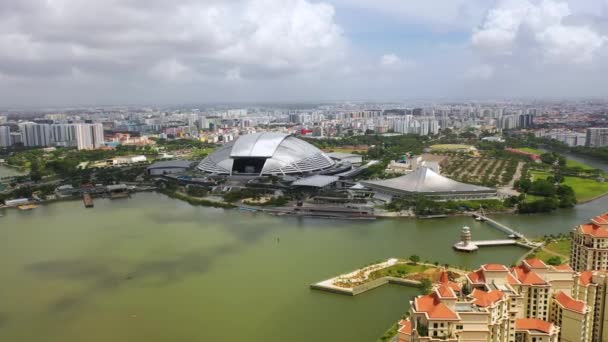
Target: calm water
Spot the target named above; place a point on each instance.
(155, 269)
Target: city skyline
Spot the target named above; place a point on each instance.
(60, 53)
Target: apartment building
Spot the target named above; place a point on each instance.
(498, 304)
(590, 245)
(590, 289)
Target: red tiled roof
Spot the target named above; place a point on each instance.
(484, 299)
(405, 326)
(601, 219)
(564, 267)
(444, 279)
(570, 303)
(445, 291)
(512, 280)
(533, 324)
(434, 308)
(527, 277)
(593, 230)
(477, 277)
(585, 278)
(494, 267)
(535, 263)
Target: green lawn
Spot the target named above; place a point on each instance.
(531, 150)
(585, 188)
(574, 163)
(399, 270)
(562, 247)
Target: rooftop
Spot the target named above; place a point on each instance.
(425, 180)
(570, 303)
(534, 324)
(317, 181)
(485, 299)
(170, 164)
(528, 277)
(594, 230)
(434, 309)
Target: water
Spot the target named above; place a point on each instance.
(156, 269)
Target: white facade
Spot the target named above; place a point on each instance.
(5, 136)
(89, 136)
(33, 134)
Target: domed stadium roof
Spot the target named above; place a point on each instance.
(266, 154)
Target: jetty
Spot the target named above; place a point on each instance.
(503, 228)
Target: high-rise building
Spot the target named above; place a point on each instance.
(5, 136)
(64, 134)
(33, 134)
(497, 304)
(590, 245)
(597, 137)
(590, 289)
(3, 119)
(89, 136)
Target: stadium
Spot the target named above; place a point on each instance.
(266, 154)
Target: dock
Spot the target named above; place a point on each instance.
(87, 200)
(474, 245)
(499, 226)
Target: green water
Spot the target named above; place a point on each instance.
(155, 269)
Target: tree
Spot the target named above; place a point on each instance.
(554, 261)
(426, 286)
(414, 259)
(548, 158)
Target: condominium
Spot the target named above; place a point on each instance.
(33, 134)
(89, 136)
(590, 245)
(497, 303)
(590, 289)
(597, 137)
(5, 136)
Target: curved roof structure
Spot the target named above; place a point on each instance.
(425, 181)
(266, 154)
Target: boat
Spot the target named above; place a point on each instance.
(27, 207)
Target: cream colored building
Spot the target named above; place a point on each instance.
(590, 289)
(590, 245)
(500, 304)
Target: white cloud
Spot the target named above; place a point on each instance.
(533, 28)
(167, 38)
(171, 70)
(393, 62)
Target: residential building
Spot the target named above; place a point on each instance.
(89, 136)
(590, 245)
(5, 136)
(33, 134)
(590, 289)
(597, 137)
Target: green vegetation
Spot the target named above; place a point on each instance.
(399, 270)
(556, 250)
(585, 188)
(531, 150)
(422, 206)
(390, 333)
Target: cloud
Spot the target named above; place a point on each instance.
(537, 29)
(482, 72)
(168, 39)
(393, 62)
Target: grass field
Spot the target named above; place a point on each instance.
(531, 150)
(585, 188)
(450, 147)
(344, 150)
(561, 247)
(574, 163)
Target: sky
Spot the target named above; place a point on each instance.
(78, 52)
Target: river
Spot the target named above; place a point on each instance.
(155, 269)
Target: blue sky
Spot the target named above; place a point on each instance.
(155, 51)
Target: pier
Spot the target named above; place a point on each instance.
(503, 228)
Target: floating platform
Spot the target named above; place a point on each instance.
(474, 245)
(27, 207)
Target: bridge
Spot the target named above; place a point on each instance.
(468, 245)
(500, 226)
